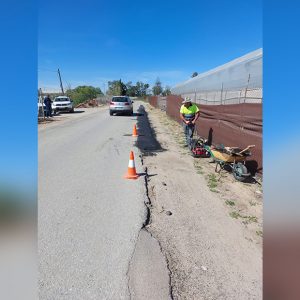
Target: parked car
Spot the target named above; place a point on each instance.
(121, 104)
(62, 103)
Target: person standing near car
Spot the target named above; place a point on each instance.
(189, 113)
(48, 104)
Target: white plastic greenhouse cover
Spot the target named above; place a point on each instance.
(233, 75)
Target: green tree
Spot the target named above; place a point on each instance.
(138, 90)
(166, 91)
(141, 89)
(131, 89)
(157, 89)
(116, 88)
(83, 93)
(194, 74)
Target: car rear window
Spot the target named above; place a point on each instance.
(119, 99)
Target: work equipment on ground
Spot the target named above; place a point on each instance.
(197, 147)
(131, 172)
(232, 157)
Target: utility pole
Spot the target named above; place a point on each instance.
(61, 86)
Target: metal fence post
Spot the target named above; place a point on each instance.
(247, 88)
(240, 96)
(221, 93)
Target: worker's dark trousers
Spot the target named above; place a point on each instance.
(188, 132)
(48, 111)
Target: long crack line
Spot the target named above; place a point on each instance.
(148, 222)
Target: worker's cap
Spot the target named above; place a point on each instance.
(186, 100)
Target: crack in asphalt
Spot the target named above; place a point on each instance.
(147, 202)
(147, 222)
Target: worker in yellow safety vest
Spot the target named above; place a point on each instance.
(189, 113)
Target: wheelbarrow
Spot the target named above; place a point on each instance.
(231, 157)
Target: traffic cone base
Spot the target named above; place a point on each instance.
(131, 176)
(131, 172)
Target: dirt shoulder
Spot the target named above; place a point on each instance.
(209, 226)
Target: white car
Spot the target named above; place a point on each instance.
(62, 103)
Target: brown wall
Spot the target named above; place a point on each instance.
(237, 125)
(153, 100)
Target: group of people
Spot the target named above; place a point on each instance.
(189, 114)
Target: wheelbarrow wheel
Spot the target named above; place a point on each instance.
(240, 172)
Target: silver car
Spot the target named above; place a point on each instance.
(121, 104)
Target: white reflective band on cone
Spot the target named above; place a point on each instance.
(131, 164)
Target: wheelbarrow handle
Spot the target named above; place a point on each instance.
(247, 148)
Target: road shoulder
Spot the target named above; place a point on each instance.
(210, 253)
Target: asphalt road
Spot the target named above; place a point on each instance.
(89, 216)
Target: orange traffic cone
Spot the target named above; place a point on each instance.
(131, 173)
(134, 133)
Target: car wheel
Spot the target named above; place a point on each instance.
(72, 110)
(111, 113)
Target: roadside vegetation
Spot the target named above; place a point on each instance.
(212, 182)
(83, 93)
(141, 90)
(230, 203)
(246, 219)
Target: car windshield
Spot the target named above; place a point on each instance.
(61, 99)
(119, 99)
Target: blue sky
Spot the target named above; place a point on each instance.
(96, 41)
